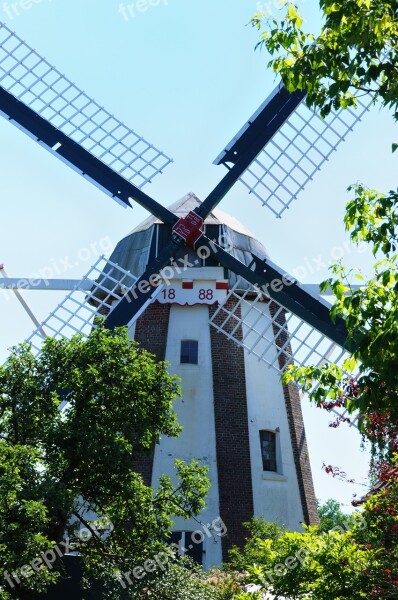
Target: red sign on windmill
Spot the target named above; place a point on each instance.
(189, 228)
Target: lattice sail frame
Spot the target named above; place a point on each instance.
(76, 312)
(32, 80)
(277, 337)
(297, 151)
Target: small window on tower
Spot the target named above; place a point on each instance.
(189, 352)
(268, 450)
(185, 543)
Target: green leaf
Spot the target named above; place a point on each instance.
(294, 16)
(56, 466)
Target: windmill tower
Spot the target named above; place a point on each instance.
(238, 419)
(195, 288)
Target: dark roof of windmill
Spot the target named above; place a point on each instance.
(190, 202)
(133, 251)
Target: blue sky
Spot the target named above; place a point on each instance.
(185, 75)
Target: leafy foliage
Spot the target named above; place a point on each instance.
(381, 532)
(326, 566)
(355, 52)
(258, 530)
(72, 421)
(23, 514)
(228, 584)
(186, 581)
(348, 561)
(371, 314)
(331, 516)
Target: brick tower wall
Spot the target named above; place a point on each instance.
(151, 333)
(296, 427)
(232, 436)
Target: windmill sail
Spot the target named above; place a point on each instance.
(280, 327)
(31, 80)
(264, 321)
(292, 154)
(274, 334)
(76, 313)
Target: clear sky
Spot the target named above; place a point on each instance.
(184, 74)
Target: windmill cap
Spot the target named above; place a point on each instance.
(139, 248)
(189, 202)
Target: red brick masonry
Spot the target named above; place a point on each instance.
(232, 435)
(296, 426)
(151, 333)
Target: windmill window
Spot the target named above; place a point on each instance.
(186, 543)
(189, 352)
(268, 450)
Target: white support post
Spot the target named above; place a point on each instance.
(24, 305)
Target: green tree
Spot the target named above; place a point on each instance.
(72, 421)
(358, 559)
(355, 52)
(185, 580)
(258, 530)
(328, 562)
(331, 516)
(381, 532)
(371, 314)
(312, 564)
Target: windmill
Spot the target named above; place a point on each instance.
(196, 288)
